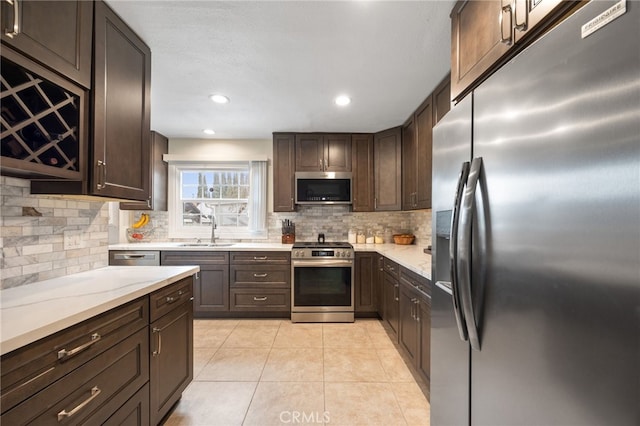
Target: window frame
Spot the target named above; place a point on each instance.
(178, 230)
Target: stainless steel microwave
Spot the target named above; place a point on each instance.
(323, 188)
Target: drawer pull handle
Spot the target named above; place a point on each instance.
(260, 275)
(158, 331)
(260, 299)
(95, 391)
(260, 257)
(64, 354)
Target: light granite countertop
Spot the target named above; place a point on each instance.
(180, 246)
(33, 311)
(410, 256)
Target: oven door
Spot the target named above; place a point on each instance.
(322, 286)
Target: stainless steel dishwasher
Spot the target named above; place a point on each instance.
(134, 258)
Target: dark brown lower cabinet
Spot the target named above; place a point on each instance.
(211, 286)
(408, 337)
(260, 282)
(391, 310)
(127, 366)
(415, 321)
(135, 412)
(92, 392)
(423, 361)
(366, 282)
(171, 340)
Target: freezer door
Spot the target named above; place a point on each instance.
(449, 352)
(558, 131)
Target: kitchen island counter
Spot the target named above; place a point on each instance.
(33, 311)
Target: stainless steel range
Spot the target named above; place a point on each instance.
(322, 282)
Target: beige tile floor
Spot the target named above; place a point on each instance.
(273, 372)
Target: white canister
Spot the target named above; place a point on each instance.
(352, 236)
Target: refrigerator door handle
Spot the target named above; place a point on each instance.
(453, 251)
(464, 252)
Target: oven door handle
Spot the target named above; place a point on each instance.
(321, 263)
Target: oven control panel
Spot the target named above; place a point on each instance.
(321, 253)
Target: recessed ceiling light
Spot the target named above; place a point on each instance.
(209, 131)
(342, 100)
(219, 99)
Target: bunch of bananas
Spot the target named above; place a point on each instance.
(144, 219)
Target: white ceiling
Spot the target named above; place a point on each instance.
(282, 63)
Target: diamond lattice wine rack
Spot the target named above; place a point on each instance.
(42, 123)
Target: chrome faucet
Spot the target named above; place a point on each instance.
(213, 228)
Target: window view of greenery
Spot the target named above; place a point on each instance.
(221, 193)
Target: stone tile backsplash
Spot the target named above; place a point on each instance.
(44, 237)
(333, 221)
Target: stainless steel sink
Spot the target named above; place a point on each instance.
(206, 245)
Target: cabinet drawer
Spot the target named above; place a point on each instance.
(259, 257)
(134, 412)
(391, 267)
(264, 275)
(260, 300)
(30, 369)
(194, 258)
(169, 298)
(92, 391)
(417, 281)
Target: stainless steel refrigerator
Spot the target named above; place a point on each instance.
(536, 236)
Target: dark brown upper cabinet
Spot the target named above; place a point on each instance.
(323, 152)
(45, 121)
(159, 175)
(362, 160)
(57, 34)
(283, 172)
(484, 31)
(119, 150)
(416, 158)
(441, 99)
(387, 146)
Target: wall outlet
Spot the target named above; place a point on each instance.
(73, 240)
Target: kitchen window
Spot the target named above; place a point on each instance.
(231, 193)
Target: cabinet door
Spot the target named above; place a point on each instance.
(481, 33)
(337, 153)
(441, 99)
(121, 106)
(57, 34)
(391, 299)
(283, 172)
(366, 267)
(309, 152)
(211, 290)
(171, 367)
(424, 329)
(362, 167)
(388, 165)
(159, 174)
(408, 327)
(424, 145)
(409, 163)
